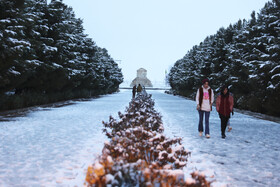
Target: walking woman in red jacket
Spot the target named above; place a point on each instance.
(224, 106)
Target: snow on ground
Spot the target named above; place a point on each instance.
(249, 156)
(54, 146)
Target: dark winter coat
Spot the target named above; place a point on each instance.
(139, 88)
(224, 104)
(134, 90)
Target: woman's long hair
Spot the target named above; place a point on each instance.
(222, 91)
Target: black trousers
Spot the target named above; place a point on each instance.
(224, 121)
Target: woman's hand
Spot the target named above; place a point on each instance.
(197, 107)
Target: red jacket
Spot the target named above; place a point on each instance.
(224, 104)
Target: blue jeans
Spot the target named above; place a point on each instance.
(200, 125)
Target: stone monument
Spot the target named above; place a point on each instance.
(141, 79)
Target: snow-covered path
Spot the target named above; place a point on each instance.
(53, 146)
(249, 156)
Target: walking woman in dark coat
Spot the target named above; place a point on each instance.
(134, 91)
(224, 106)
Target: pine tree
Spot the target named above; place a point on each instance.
(269, 22)
(37, 59)
(13, 45)
(246, 56)
(46, 56)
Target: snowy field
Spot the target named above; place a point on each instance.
(54, 146)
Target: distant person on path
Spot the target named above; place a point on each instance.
(139, 88)
(204, 101)
(224, 106)
(134, 91)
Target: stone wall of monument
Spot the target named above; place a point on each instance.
(141, 79)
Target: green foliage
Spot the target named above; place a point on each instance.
(45, 51)
(246, 56)
(27, 99)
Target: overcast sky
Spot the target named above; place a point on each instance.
(153, 34)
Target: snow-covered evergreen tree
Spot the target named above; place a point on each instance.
(45, 52)
(13, 43)
(245, 56)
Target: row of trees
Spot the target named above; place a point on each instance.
(45, 53)
(245, 55)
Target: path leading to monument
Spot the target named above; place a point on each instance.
(249, 156)
(53, 146)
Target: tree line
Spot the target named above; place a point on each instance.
(245, 56)
(45, 56)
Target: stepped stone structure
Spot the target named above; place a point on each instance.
(141, 79)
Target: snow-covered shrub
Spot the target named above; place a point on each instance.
(138, 143)
(140, 112)
(138, 154)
